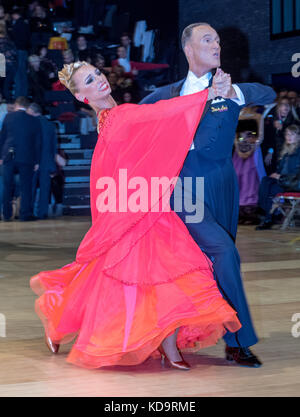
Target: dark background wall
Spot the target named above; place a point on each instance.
(248, 54)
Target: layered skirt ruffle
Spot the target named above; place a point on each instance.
(120, 315)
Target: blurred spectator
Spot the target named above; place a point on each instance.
(128, 97)
(288, 166)
(39, 21)
(99, 62)
(47, 166)
(122, 60)
(247, 161)
(57, 184)
(116, 91)
(31, 8)
(4, 17)
(282, 93)
(131, 68)
(4, 109)
(38, 79)
(274, 124)
(9, 50)
(21, 37)
(133, 53)
(20, 142)
(293, 99)
(82, 52)
(68, 56)
(47, 65)
(122, 81)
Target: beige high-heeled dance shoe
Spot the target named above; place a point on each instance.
(53, 347)
(181, 365)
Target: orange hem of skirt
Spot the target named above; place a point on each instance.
(136, 357)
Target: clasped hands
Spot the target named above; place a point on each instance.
(221, 86)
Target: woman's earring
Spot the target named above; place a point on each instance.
(86, 100)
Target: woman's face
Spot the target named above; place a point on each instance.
(121, 52)
(284, 108)
(43, 52)
(91, 83)
(291, 137)
(113, 78)
(68, 57)
(127, 97)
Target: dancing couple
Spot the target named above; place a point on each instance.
(144, 282)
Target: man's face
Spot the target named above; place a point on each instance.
(68, 57)
(81, 42)
(203, 48)
(292, 96)
(125, 41)
(248, 135)
(121, 51)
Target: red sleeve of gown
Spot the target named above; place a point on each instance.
(136, 142)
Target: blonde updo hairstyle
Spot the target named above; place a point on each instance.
(66, 74)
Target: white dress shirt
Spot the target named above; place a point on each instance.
(194, 84)
(125, 64)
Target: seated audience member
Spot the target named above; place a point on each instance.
(293, 99)
(46, 63)
(116, 91)
(9, 50)
(247, 161)
(99, 62)
(133, 53)
(127, 97)
(131, 68)
(272, 133)
(38, 79)
(68, 56)
(288, 167)
(81, 51)
(123, 82)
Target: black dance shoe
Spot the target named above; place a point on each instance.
(264, 226)
(242, 356)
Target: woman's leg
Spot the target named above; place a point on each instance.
(170, 347)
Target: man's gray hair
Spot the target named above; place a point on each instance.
(187, 32)
(35, 108)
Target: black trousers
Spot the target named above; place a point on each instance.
(26, 175)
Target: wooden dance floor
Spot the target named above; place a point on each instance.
(271, 271)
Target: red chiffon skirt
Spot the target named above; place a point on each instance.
(120, 313)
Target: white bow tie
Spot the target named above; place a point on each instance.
(204, 82)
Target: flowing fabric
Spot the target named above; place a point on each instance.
(138, 274)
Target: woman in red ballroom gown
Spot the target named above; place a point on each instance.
(139, 282)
